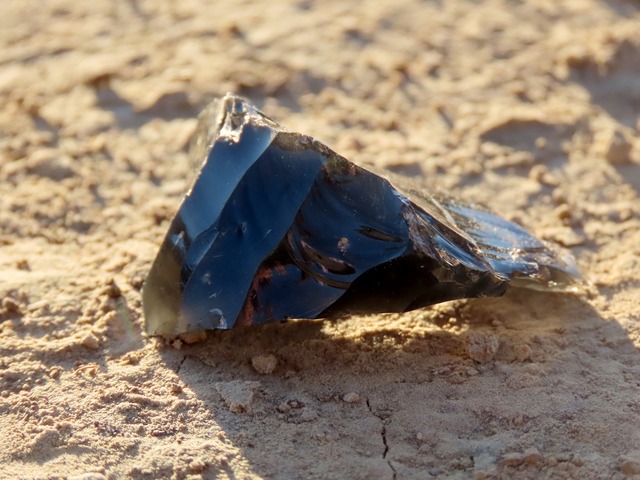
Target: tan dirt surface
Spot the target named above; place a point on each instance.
(531, 107)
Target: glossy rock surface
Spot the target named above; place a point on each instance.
(277, 226)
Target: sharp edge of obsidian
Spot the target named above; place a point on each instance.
(276, 225)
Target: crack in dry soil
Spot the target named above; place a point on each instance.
(383, 434)
(180, 364)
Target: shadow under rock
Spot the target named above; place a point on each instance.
(561, 372)
(346, 400)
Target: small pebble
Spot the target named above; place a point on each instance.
(237, 394)
(541, 142)
(23, 265)
(351, 397)
(113, 290)
(523, 352)
(197, 465)
(482, 346)
(91, 341)
(618, 149)
(630, 464)
(10, 304)
(264, 364)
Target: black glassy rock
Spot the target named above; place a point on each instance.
(276, 225)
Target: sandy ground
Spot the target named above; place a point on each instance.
(531, 107)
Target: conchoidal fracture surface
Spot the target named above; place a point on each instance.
(277, 225)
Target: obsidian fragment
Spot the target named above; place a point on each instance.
(276, 225)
